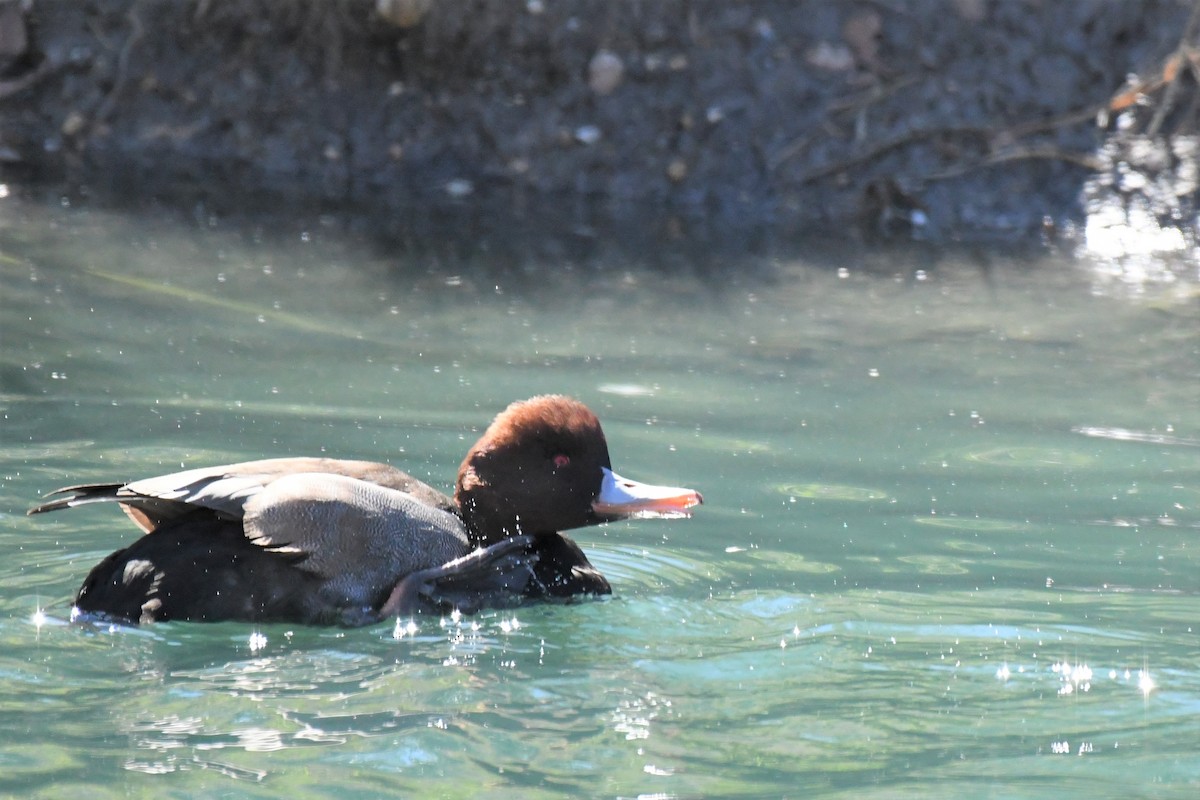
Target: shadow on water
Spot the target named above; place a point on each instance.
(552, 248)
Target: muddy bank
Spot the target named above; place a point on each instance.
(947, 119)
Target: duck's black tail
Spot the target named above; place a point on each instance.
(79, 496)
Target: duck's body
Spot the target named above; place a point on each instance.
(328, 541)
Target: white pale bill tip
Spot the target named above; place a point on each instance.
(627, 498)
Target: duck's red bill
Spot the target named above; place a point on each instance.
(621, 497)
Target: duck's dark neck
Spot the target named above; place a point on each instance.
(484, 529)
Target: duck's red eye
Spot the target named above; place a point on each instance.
(561, 461)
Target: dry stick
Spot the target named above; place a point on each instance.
(1024, 129)
(873, 95)
(1070, 118)
(855, 102)
(1184, 52)
(889, 145)
(110, 100)
(16, 85)
(1181, 53)
(1021, 154)
(1013, 132)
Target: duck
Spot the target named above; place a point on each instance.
(327, 541)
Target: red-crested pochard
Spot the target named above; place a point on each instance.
(326, 541)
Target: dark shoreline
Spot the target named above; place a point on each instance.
(943, 120)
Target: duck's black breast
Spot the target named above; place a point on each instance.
(561, 570)
(502, 575)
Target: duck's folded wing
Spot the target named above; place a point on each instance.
(360, 537)
(369, 471)
(226, 489)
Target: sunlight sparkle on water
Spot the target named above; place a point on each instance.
(1074, 677)
(1145, 682)
(1127, 234)
(257, 641)
(626, 389)
(403, 628)
(1113, 232)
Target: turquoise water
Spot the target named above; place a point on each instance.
(950, 545)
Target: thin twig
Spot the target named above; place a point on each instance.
(1181, 52)
(993, 135)
(17, 85)
(889, 145)
(135, 34)
(1084, 160)
(1024, 129)
(872, 95)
